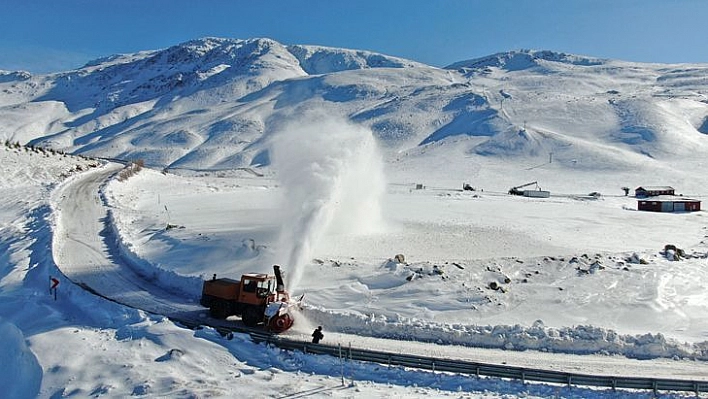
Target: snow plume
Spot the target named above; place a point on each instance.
(331, 172)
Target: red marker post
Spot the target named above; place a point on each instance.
(53, 287)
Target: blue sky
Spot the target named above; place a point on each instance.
(47, 36)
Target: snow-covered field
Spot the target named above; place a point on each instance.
(568, 260)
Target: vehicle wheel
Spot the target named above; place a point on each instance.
(252, 316)
(218, 310)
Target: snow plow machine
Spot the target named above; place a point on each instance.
(256, 298)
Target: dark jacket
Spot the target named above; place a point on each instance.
(317, 335)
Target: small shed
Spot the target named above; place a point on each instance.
(536, 193)
(653, 191)
(669, 204)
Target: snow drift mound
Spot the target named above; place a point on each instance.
(23, 374)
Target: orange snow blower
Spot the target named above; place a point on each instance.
(256, 298)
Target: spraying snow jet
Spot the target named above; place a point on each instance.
(332, 175)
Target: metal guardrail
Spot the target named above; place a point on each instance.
(485, 369)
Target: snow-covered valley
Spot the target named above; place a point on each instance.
(331, 172)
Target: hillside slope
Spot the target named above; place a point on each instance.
(216, 103)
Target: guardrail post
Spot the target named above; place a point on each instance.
(341, 361)
(433, 366)
(570, 381)
(695, 388)
(614, 384)
(654, 386)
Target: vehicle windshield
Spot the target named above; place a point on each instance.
(266, 288)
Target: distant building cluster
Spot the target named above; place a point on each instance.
(664, 199)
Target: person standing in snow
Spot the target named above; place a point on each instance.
(317, 335)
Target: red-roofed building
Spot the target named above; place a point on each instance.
(668, 203)
(652, 191)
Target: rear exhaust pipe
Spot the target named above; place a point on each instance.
(280, 287)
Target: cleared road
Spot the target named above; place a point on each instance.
(85, 251)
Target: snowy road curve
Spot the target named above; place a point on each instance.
(85, 251)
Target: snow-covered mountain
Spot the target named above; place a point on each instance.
(215, 103)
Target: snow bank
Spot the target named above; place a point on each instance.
(578, 340)
(190, 285)
(22, 374)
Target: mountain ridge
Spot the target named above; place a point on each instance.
(523, 59)
(217, 103)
